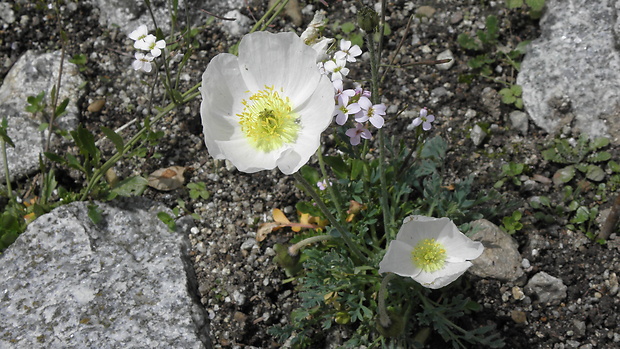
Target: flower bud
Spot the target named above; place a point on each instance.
(367, 19)
(396, 327)
(290, 263)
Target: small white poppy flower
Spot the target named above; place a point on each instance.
(268, 107)
(432, 251)
(143, 62)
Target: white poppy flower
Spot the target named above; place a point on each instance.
(432, 251)
(268, 107)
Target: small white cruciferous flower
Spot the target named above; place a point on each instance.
(267, 107)
(432, 251)
(424, 119)
(143, 62)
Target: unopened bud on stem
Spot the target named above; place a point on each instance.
(367, 19)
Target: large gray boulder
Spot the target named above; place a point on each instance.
(30, 75)
(571, 74)
(126, 282)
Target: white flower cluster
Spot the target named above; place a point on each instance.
(355, 102)
(145, 42)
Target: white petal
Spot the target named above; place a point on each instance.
(397, 260)
(441, 278)
(156, 52)
(420, 228)
(222, 88)
(316, 112)
(365, 103)
(142, 45)
(245, 157)
(377, 121)
(137, 64)
(463, 249)
(147, 67)
(315, 115)
(416, 122)
(330, 66)
(150, 39)
(281, 60)
(141, 31)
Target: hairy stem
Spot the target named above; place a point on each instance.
(345, 234)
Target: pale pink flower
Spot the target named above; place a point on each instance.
(357, 133)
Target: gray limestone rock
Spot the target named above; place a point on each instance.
(548, 289)
(477, 135)
(32, 74)
(126, 282)
(447, 54)
(501, 258)
(518, 121)
(6, 13)
(239, 26)
(576, 60)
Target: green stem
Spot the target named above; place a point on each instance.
(383, 199)
(332, 192)
(261, 21)
(345, 234)
(98, 174)
(405, 164)
(168, 81)
(384, 317)
(293, 250)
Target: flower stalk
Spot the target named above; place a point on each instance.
(293, 250)
(345, 234)
(383, 199)
(332, 192)
(384, 317)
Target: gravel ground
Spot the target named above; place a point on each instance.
(240, 284)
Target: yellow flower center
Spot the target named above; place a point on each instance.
(267, 120)
(429, 255)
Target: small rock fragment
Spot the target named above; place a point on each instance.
(548, 289)
(477, 135)
(447, 54)
(425, 11)
(518, 316)
(501, 258)
(96, 106)
(518, 120)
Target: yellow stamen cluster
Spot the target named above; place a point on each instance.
(429, 255)
(267, 120)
